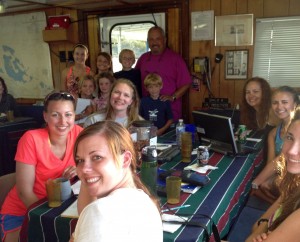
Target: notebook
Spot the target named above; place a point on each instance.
(71, 211)
(217, 132)
(81, 105)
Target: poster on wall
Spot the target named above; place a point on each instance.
(25, 62)
(236, 64)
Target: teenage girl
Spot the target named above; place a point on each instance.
(71, 76)
(284, 102)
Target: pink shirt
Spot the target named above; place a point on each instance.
(34, 149)
(173, 71)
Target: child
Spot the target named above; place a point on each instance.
(87, 87)
(127, 59)
(104, 63)
(105, 81)
(84, 105)
(152, 108)
(73, 75)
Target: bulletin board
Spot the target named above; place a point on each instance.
(25, 62)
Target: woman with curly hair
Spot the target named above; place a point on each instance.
(281, 221)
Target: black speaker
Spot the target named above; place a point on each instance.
(218, 57)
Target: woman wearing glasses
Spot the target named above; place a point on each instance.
(41, 154)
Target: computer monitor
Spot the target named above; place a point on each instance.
(216, 131)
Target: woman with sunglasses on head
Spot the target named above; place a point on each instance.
(72, 76)
(123, 105)
(113, 203)
(281, 221)
(41, 154)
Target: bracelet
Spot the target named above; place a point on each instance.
(262, 220)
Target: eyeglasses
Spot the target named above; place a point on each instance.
(127, 58)
(58, 96)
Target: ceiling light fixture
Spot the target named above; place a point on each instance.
(2, 6)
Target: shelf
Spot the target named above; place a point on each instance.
(58, 34)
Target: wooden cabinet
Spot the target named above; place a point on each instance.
(59, 34)
(10, 133)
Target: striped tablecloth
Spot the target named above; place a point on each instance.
(221, 199)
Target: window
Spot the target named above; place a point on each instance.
(127, 32)
(277, 51)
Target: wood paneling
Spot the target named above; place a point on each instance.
(179, 39)
(232, 89)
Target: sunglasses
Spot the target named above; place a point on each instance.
(59, 96)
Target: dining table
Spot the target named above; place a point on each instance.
(218, 202)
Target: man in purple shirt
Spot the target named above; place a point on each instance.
(169, 65)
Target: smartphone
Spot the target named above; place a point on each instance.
(194, 178)
(190, 177)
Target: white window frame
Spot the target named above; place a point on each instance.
(106, 23)
(277, 51)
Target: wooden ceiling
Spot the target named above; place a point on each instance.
(14, 6)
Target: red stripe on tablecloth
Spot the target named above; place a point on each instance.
(224, 219)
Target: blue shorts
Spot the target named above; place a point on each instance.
(9, 223)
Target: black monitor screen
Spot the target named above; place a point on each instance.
(215, 129)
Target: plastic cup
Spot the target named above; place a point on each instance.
(53, 193)
(186, 146)
(173, 185)
(10, 115)
(65, 188)
(58, 190)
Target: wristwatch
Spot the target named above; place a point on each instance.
(174, 97)
(255, 186)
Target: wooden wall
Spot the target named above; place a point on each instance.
(232, 89)
(179, 39)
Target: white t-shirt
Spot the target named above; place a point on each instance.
(126, 215)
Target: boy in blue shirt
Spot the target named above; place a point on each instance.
(152, 108)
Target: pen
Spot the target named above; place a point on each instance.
(175, 208)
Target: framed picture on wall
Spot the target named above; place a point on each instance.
(236, 64)
(234, 30)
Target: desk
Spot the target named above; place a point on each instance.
(10, 133)
(221, 199)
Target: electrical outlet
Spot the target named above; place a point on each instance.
(70, 56)
(62, 56)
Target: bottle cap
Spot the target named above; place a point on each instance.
(149, 153)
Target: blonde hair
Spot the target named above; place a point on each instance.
(82, 46)
(87, 77)
(133, 109)
(126, 51)
(153, 79)
(289, 185)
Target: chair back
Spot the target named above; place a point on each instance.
(6, 184)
